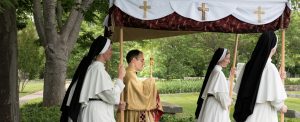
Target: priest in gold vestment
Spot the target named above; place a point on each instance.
(141, 96)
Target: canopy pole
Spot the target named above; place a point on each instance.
(231, 77)
(121, 62)
(151, 66)
(151, 61)
(282, 64)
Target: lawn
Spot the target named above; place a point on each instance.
(32, 87)
(188, 102)
(293, 104)
(293, 92)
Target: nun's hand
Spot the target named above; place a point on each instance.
(283, 74)
(122, 106)
(121, 72)
(233, 71)
(283, 109)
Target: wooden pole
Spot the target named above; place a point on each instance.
(282, 66)
(151, 61)
(121, 62)
(151, 66)
(231, 77)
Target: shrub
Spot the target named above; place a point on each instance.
(178, 86)
(35, 112)
(292, 81)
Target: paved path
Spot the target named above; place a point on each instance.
(35, 95)
(29, 97)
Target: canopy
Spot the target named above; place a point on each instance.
(162, 18)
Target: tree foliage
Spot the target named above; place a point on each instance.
(30, 53)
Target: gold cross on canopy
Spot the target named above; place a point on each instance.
(145, 7)
(259, 12)
(203, 10)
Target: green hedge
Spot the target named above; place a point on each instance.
(34, 112)
(292, 81)
(178, 86)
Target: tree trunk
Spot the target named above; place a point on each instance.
(9, 97)
(55, 75)
(58, 45)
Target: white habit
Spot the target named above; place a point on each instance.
(270, 97)
(98, 84)
(216, 98)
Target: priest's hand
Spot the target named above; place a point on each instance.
(122, 106)
(121, 72)
(151, 79)
(283, 109)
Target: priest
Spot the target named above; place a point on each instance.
(92, 95)
(259, 88)
(141, 96)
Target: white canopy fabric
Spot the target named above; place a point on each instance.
(148, 19)
(244, 10)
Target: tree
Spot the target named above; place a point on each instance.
(9, 97)
(29, 67)
(58, 29)
(293, 44)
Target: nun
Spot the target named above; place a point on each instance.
(92, 95)
(259, 88)
(214, 99)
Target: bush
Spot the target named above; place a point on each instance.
(178, 86)
(35, 112)
(292, 81)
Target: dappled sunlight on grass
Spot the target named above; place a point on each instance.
(32, 87)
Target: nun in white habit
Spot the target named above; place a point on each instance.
(214, 99)
(259, 88)
(92, 95)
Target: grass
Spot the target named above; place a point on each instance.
(293, 92)
(32, 87)
(188, 102)
(33, 101)
(293, 104)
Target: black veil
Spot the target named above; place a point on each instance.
(249, 86)
(72, 111)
